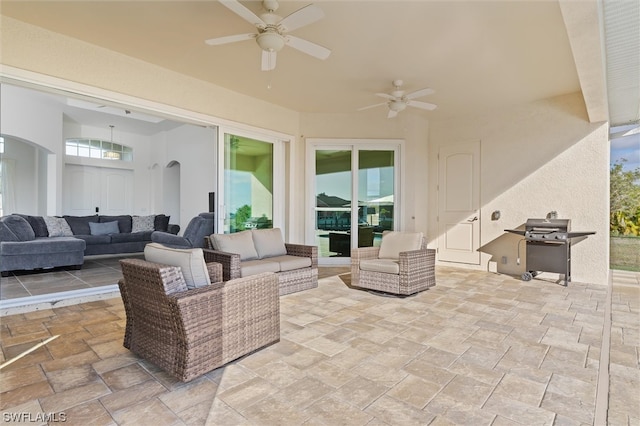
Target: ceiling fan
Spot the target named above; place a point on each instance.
(397, 100)
(273, 31)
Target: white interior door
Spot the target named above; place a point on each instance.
(459, 203)
(89, 187)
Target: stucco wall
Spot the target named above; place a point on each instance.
(536, 158)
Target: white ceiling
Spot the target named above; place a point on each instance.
(475, 54)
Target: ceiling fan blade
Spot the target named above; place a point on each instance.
(308, 47)
(392, 113)
(243, 12)
(386, 96)
(268, 60)
(372, 106)
(423, 105)
(420, 93)
(301, 17)
(229, 39)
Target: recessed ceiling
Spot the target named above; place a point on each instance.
(476, 55)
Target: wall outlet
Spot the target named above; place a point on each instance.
(504, 260)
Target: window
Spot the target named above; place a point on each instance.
(94, 148)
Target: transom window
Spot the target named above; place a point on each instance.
(95, 148)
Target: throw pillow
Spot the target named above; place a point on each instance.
(143, 223)
(393, 243)
(268, 242)
(57, 226)
(105, 228)
(161, 223)
(191, 261)
(38, 225)
(80, 224)
(240, 243)
(124, 222)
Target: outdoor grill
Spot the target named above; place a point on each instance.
(548, 246)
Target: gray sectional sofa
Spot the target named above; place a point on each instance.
(34, 242)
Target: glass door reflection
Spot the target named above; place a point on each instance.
(333, 202)
(349, 216)
(248, 184)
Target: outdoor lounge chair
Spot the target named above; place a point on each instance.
(402, 265)
(188, 333)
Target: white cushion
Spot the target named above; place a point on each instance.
(289, 263)
(258, 266)
(191, 261)
(393, 243)
(386, 266)
(268, 242)
(240, 243)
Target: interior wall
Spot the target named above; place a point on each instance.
(195, 148)
(24, 158)
(141, 144)
(17, 114)
(535, 159)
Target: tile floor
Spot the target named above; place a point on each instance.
(477, 349)
(96, 271)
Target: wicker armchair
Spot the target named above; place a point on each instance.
(405, 273)
(191, 332)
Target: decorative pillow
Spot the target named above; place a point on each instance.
(191, 261)
(80, 224)
(240, 243)
(143, 223)
(105, 228)
(393, 243)
(268, 242)
(57, 226)
(161, 223)
(38, 225)
(124, 222)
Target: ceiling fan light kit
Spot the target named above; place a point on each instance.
(270, 41)
(272, 30)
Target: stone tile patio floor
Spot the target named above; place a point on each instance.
(477, 349)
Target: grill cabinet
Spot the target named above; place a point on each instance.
(548, 246)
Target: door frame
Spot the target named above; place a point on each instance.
(279, 170)
(466, 217)
(355, 145)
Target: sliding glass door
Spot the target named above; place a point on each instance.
(355, 189)
(248, 184)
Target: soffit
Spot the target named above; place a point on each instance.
(477, 54)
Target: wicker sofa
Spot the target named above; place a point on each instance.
(189, 332)
(252, 252)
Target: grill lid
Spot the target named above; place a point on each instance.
(548, 225)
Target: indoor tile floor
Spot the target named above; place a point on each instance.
(96, 271)
(478, 348)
